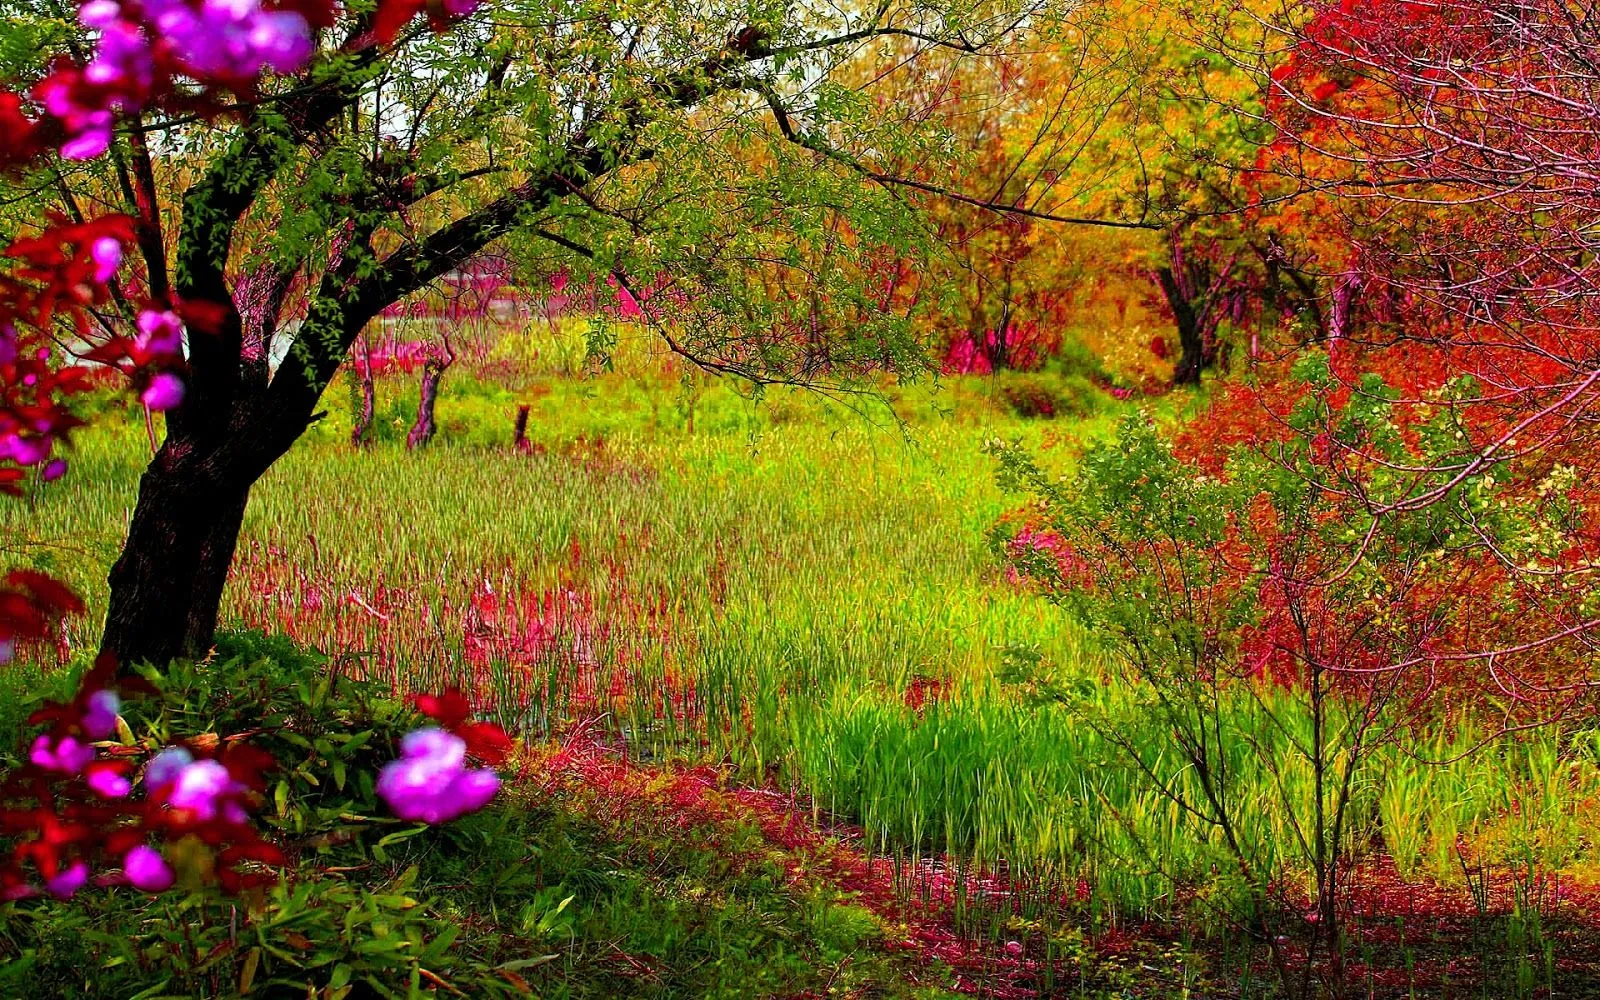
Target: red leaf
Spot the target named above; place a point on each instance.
(49, 593)
(450, 709)
(203, 315)
(486, 741)
(392, 15)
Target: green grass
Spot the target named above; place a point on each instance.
(763, 589)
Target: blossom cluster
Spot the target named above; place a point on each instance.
(140, 46)
(88, 825)
(56, 276)
(431, 782)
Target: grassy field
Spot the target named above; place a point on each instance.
(803, 596)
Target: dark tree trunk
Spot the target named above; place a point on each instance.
(167, 585)
(519, 434)
(1191, 341)
(423, 430)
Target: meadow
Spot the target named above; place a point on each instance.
(803, 598)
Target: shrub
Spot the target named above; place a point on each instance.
(338, 918)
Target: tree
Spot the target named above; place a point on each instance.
(1200, 290)
(617, 136)
(1006, 286)
(66, 813)
(1121, 115)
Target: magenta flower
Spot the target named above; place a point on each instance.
(66, 883)
(165, 767)
(99, 13)
(100, 714)
(122, 61)
(69, 755)
(53, 470)
(160, 332)
(88, 128)
(164, 392)
(430, 781)
(107, 254)
(91, 140)
(108, 784)
(198, 788)
(233, 38)
(147, 870)
(281, 40)
(26, 450)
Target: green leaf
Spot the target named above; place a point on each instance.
(247, 975)
(527, 963)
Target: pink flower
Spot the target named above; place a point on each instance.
(165, 767)
(99, 13)
(233, 38)
(281, 40)
(53, 470)
(122, 60)
(430, 781)
(160, 333)
(147, 870)
(26, 450)
(108, 784)
(203, 788)
(91, 141)
(88, 127)
(66, 883)
(69, 755)
(199, 787)
(164, 392)
(100, 714)
(107, 254)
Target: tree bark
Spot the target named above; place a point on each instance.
(519, 433)
(1191, 342)
(423, 430)
(362, 369)
(166, 587)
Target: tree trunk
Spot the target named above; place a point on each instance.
(1191, 356)
(519, 435)
(423, 430)
(166, 587)
(363, 423)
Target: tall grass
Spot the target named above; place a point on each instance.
(794, 590)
